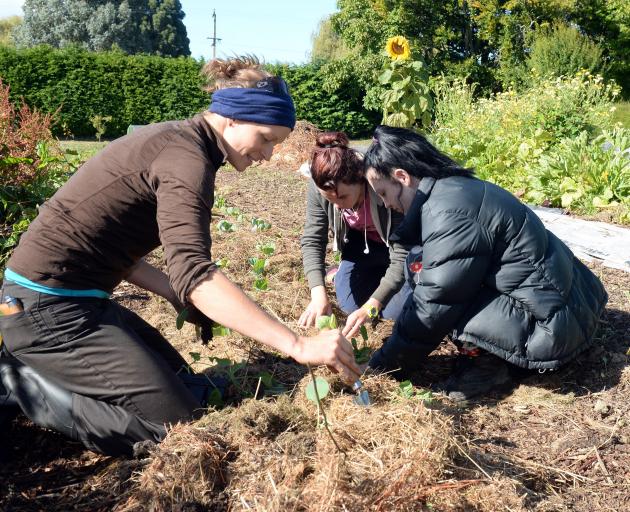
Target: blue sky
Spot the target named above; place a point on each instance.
(273, 30)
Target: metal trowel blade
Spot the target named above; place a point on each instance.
(362, 398)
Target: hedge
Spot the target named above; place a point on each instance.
(142, 89)
(137, 89)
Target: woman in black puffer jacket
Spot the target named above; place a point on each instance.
(484, 269)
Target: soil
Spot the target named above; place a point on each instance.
(554, 442)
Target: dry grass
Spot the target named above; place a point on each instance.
(558, 442)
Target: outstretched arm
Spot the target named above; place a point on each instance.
(220, 299)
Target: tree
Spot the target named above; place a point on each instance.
(327, 45)
(7, 26)
(563, 50)
(135, 26)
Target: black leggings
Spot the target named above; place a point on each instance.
(121, 371)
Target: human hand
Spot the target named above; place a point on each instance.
(319, 305)
(354, 322)
(203, 324)
(330, 348)
(357, 318)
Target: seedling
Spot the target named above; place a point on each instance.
(232, 211)
(261, 284)
(267, 249)
(260, 224)
(225, 227)
(322, 386)
(407, 390)
(219, 202)
(258, 265)
(222, 263)
(325, 322)
(362, 355)
(217, 329)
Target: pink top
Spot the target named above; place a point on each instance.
(361, 218)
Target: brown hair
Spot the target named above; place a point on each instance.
(333, 162)
(242, 71)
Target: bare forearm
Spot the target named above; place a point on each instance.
(151, 279)
(220, 299)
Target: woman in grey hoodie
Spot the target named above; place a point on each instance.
(370, 281)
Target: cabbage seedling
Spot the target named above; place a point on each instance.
(225, 226)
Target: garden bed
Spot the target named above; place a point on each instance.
(557, 442)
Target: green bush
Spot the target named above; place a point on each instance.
(342, 110)
(585, 174)
(137, 89)
(563, 50)
(32, 168)
(142, 89)
(520, 141)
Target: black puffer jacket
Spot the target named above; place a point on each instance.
(494, 276)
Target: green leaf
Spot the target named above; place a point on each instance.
(322, 389)
(219, 330)
(196, 356)
(333, 322)
(322, 322)
(215, 399)
(405, 389)
(385, 76)
(364, 333)
(261, 284)
(267, 249)
(181, 318)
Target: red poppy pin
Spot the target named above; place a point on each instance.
(415, 267)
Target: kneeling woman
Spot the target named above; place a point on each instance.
(93, 369)
(371, 273)
(492, 275)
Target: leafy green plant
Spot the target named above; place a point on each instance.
(32, 168)
(99, 123)
(260, 224)
(219, 202)
(405, 97)
(324, 322)
(267, 248)
(225, 226)
(584, 174)
(318, 387)
(510, 138)
(261, 284)
(222, 263)
(258, 265)
(362, 354)
(407, 391)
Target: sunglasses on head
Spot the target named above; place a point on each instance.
(273, 84)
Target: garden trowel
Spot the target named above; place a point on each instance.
(362, 398)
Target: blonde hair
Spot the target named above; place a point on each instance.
(241, 71)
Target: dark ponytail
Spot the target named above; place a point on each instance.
(398, 148)
(333, 162)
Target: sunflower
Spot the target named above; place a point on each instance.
(397, 48)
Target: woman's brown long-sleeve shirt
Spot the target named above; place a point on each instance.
(152, 187)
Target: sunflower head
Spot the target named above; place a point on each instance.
(397, 48)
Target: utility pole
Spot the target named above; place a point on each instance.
(214, 37)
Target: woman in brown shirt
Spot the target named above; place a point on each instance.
(82, 364)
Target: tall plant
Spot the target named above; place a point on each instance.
(405, 97)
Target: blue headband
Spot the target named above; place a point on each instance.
(267, 103)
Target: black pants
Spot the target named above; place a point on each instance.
(121, 371)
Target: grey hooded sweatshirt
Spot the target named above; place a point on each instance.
(322, 216)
